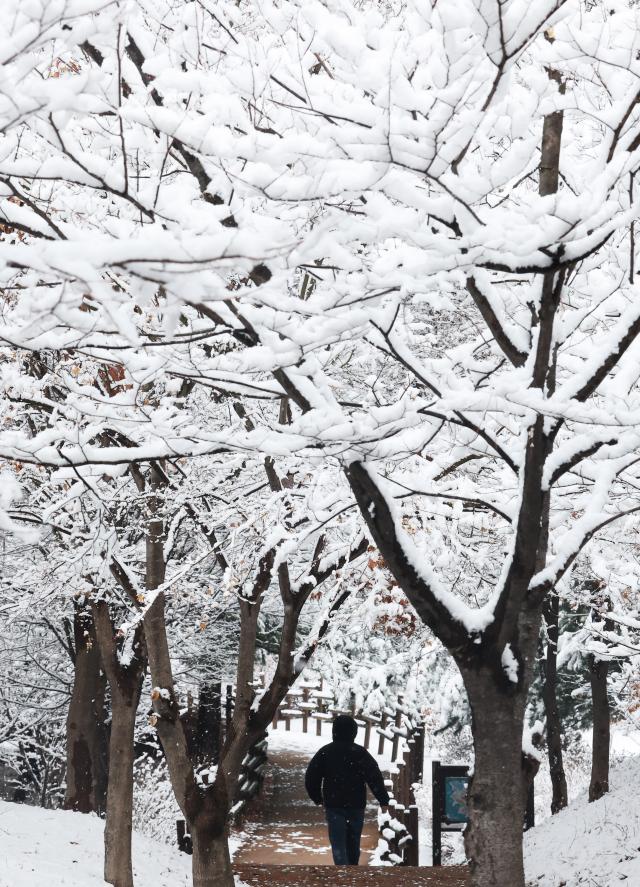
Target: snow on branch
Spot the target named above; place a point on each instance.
(449, 617)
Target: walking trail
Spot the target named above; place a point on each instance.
(286, 845)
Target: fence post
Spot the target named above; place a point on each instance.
(412, 853)
(396, 736)
(229, 706)
(530, 812)
(185, 844)
(383, 724)
(367, 733)
(406, 779)
(436, 813)
(418, 755)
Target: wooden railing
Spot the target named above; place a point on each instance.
(400, 829)
(251, 777)
(311, 702)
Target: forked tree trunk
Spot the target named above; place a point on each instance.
(119, 823)
(87, 733)
(559, 795)
(493, 838)
(211, 858)
(598, 673)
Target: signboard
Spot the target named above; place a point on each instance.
(454, 808)
(449, 789)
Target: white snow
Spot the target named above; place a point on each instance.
(510, 664)
(586, 845)
(590, 845)
(58, 848)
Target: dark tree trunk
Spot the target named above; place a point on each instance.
(559, 797)
(598, 672)
(497, 791)
(87, 732)
(211, 858)
(125, 683)
(119, 822)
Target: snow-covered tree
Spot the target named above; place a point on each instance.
(414, 228)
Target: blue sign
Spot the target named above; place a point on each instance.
(455, 799)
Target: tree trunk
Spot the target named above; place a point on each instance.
(117, 834)
(125, 683)
(207, 737)
(598, 673)
(493, 838)
(87, 733)
(559, 798)
(211, 859)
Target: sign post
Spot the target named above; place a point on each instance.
(449, 794)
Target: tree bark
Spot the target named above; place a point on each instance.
(551, 144)
(87, 732)
(559, 797)
(598, 673)
(125, 683)
(118, 868)
(211, 858)
(497, 791)
(207, 738)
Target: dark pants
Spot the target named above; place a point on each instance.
(345, 827)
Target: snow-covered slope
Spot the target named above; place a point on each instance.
(47, 848)
(591, 845)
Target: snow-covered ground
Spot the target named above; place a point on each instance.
(57, 848)
(587, 845)
(44, 848)
(591, 845)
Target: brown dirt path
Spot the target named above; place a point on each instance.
(338, 876)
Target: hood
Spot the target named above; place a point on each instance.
(345, 729)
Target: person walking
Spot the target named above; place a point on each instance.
(338, 776)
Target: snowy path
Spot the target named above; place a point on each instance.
(287, 828)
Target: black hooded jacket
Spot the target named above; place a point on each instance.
(340, 772)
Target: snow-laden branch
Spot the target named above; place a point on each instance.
(448, 617)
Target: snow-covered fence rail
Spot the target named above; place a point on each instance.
(251, 777)
(399, 829)
(310, 701)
